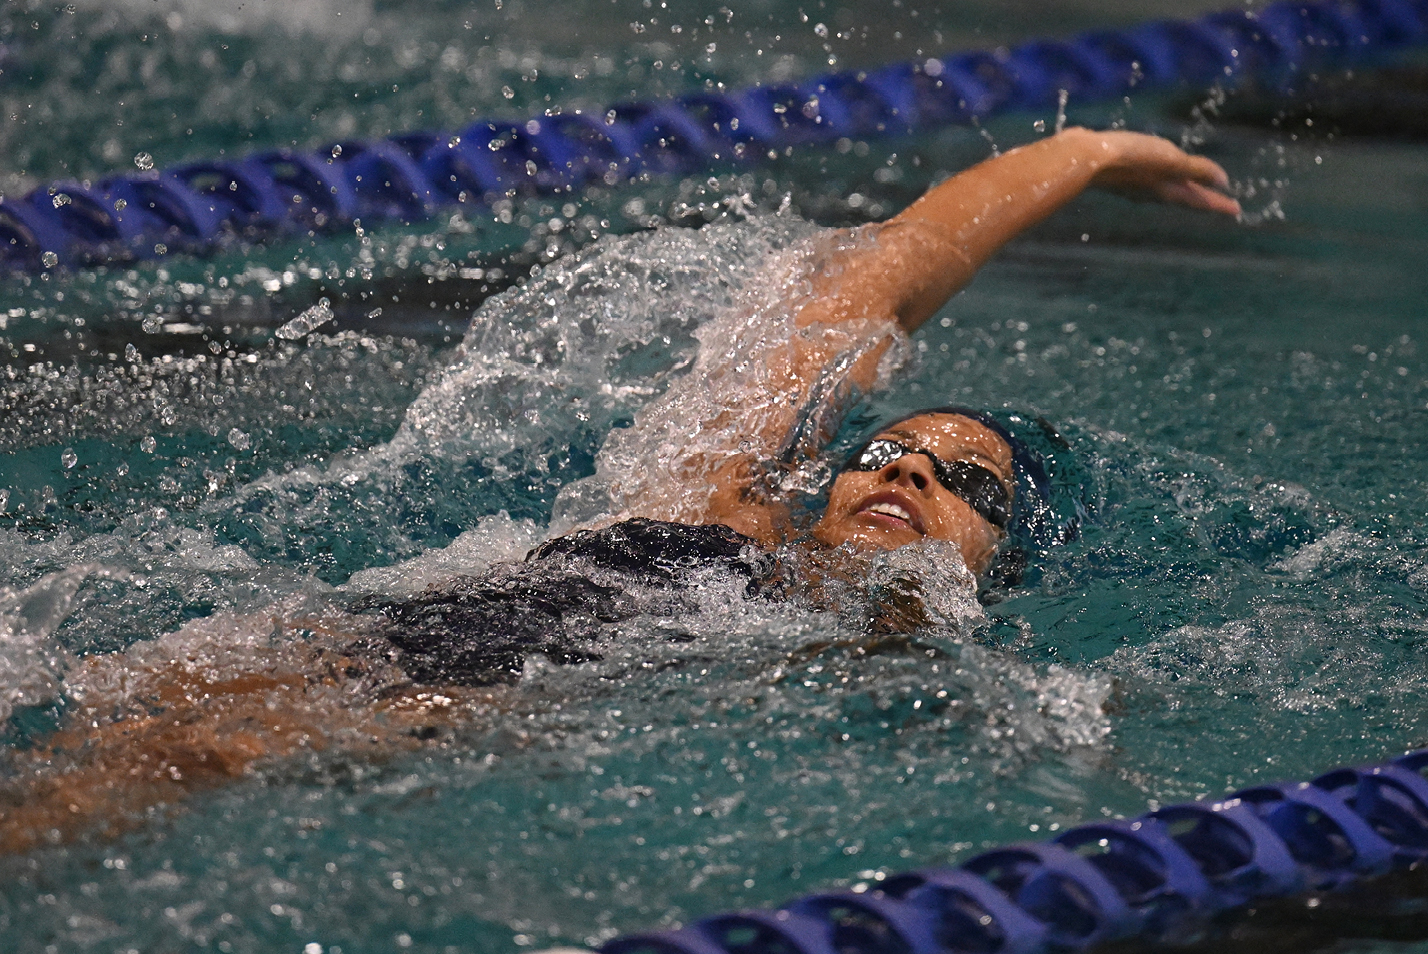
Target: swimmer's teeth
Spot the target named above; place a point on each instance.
(892, 510)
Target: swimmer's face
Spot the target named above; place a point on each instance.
(903, 502)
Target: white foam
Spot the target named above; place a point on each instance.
(32, 662)
(1285, 657)
(496, 539)
(1332, 548)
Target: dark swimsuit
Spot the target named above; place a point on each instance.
(479, 630)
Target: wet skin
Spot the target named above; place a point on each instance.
(903, 502)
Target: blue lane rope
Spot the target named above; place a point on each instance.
(205, 206)
(1159, 877)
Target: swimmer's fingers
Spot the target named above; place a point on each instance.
(1148, 167)
(1196, 196)
(1187, 192)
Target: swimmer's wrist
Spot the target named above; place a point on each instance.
(1097, 149)
(1082, 153)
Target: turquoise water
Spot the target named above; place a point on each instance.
(1248, 402)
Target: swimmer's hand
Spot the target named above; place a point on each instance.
(928, 252)
(1148, 167)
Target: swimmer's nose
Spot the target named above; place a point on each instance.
(913, 470)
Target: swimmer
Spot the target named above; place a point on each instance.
(147, 726)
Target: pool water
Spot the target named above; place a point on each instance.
(1248, 401)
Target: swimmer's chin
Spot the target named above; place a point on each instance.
(867, 535)
(871, 537)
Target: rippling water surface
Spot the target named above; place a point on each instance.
(1247, 402)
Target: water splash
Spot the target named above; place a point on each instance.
(496, 539)
(548, 370)
(591, 338)
(306, 323)
(32, 663)
(736, 402)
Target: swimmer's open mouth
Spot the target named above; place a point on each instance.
(891, 510)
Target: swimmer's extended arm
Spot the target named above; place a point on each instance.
(907, 268)
(932, 249)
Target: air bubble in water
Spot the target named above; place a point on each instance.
(69, 458)
(144, 161)
(305, 323)
(239, 440)
(131, 353)
(148, 445)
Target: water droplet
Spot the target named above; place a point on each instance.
(49, 259)
(123, 469)
(239, 440)
(821, 29)
(59, 199)
(144, 161)
(160, 248)
(69, 458)
(148, 445)
(305, 323)
(120, 205)
(131, 353)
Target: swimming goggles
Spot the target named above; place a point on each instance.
(981, 489)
